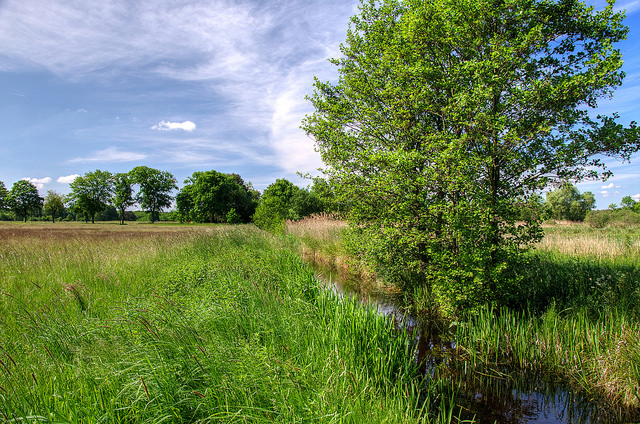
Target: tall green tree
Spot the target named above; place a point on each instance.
(92, 192)
(24, 199)
(447, 114)
(122, 193)
(209, 196)
(568, 203)
(53, 204)
(155, 189)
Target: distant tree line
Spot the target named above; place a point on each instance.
(206, 197)
(567, 203)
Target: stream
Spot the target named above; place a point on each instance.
(487, 396)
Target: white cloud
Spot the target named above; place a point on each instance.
(604, 193)
(636, 197)
(608, 186)
(67, 179)
(111, 154)
(170, 126)
(38, 182)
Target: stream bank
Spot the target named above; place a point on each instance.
(499, 393)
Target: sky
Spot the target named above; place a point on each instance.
(190, 85)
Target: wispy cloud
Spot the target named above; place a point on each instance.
(258, 58)
(628, 7)
(111, 154)
(171, 126)
(67, 179)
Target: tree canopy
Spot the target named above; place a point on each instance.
(123, 194)
(24, 199)
(448, 114)
(282, 201)
(210, 196)
(92, 192)
(568, 203)
(155, 189)
(53, 204)
(4, 194)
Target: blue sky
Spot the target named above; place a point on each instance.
(189, 85)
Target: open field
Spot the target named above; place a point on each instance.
(142, 323)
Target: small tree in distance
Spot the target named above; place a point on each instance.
(4, 195)
(92, 192)
(53, 204)
(155, 189)
(23, 199)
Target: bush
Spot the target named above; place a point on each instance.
(598, 219)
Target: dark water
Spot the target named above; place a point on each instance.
(484, 395)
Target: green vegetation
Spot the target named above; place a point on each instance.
(139, 324)
(155, 189)
(568, 203)
(23, 199)
(575, 318)
(447, 116)
(211, 196)
(283, 201)
(91, 193)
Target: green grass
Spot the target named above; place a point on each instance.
(574, 318)
(190, 324)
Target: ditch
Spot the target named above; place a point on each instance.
(488, 395)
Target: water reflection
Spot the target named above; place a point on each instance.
(484, 395)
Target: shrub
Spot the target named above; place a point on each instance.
(598, 219)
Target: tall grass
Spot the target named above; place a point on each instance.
(199, 324)
(575, 317)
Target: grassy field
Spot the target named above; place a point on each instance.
(576, 317)
(161, 323)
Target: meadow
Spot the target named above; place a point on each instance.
(574, 319)
(167, 323)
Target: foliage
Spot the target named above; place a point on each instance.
(209, 196)
(122, 194)
(24, 199)
(448, 114)
(155, 189)
(598, 219)
(110, 213)
(92, 192)
(283, 201)
(4, 194)
(53, 204)
(627, 202)
(233, 217)
(567, 203)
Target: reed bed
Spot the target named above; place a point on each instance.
(580, 240)
(599, 357)
(191, 324)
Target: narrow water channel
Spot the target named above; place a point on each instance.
(485, 396)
